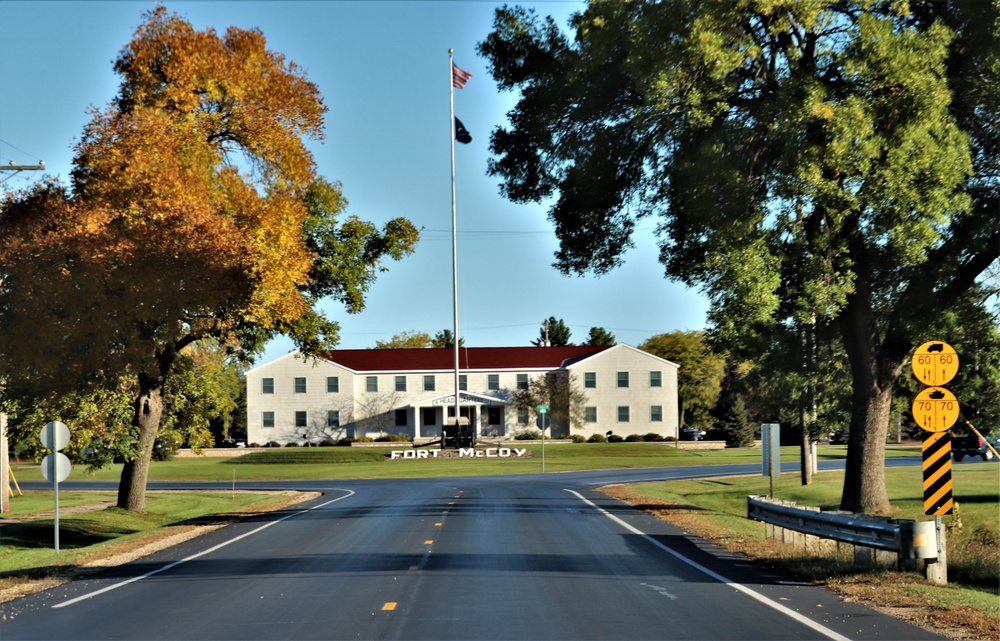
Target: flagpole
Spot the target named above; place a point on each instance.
(454, 237)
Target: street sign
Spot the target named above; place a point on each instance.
(56, 467)
(54, 435)
(935, 409)
(542, 408)
(935, 363)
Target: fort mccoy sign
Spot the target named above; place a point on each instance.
(462, 452)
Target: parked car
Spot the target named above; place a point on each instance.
(232, 442)
(692, 434)
(970, 445)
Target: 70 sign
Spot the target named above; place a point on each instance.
(935, 409)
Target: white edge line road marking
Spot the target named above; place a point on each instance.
(195, 556)
(825, 631)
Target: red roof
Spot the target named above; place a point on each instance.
(470, 358)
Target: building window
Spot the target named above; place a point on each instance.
(430, 415)
(463, 382)
(622, 379)
(522, 416)
(371, 383)
(268, 419)
(333, 384)
(655, 379)
(429, 383)
(656, 414)
(590, 414)
(522, 381)
(300, 384)
(590, 380)
(623, 414)
(401, 418)
(400, 383)
(333, 418)
(300, 419)
(493, 381)
(267, 386)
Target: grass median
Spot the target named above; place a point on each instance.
(968, 608)
(93, 535)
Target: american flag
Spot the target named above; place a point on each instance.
(459, 77)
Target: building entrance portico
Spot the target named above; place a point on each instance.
(487, 415)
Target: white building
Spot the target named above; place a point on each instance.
(356, 393)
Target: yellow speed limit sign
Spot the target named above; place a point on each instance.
(935, 363)
(935, 409)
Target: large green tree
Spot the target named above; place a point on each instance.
(837, 156)
(699, 374)
(600, 336)
(196, 213)
(554, 332)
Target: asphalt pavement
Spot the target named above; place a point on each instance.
(506, 558)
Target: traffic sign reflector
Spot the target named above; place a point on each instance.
(937, 474)
(935, 363)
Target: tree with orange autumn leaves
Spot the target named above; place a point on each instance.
(195, 213)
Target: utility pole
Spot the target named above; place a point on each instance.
(4, 449)
(19, 168)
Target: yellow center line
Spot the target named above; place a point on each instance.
(429, 542)
(390, 605)
(438, 524)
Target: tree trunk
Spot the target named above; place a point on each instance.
(864, 477)
(146, 416)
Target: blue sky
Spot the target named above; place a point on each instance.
(382, 68)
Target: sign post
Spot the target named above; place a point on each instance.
(936, 410)
(543, 410)
(55, 466)
(770, 434)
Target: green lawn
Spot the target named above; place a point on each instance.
(27, 545)
(974, 526)
(285, 464)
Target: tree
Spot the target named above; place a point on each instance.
(562, 393)
(445, 338)
(553, 333)
(406, 340)
(600, 336)
(838, 157)
(375, 410)
(699, 375)
(201, 396)
(195, 214)
(730, 412)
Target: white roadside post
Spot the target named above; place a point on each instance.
(770, 434)
(55, 466)
(543, 409)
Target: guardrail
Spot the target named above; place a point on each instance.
(909, 540)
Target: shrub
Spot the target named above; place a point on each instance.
(394, 438)
(597, 438)
(577, 438)
(615, 438)
(327, 442)
(652, 437)
(528, 435)
(634, 438)
(291, 444)
(272, 444)
(253, 444)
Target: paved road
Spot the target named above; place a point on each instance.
(525, 557)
